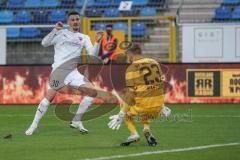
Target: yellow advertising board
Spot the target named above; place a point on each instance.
(230, 83)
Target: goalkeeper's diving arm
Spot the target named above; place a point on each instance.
(116, 120)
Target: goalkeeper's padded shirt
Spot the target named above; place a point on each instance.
(146, 79)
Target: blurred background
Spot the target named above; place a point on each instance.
(186, 36)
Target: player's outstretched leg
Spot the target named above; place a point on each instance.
(77, 120)
(134, 136)
(41, 110)
(150, 138)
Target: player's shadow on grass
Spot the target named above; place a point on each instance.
(62, 111)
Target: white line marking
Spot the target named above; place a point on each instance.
(217, 116)
(199, 116)
(163, 151)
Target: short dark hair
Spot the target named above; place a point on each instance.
(72, 13)
(109, 25)
(134, 48)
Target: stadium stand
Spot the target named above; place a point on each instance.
(23, 17)
(231, 2)
(40, 17)
(236, 14)
(222, 13)
(102, 3)
(148, 12)
(6, 17)
(13, 32)
(50, 3)
(121, 26)
(99, 27)
(228, 11)
(32, 3)
(140, 2)
(13, 4)
(57, 15)
(111, 13)
(139, 29)
(193, 11)
(46, 12)
(29, 32)
(94, 13)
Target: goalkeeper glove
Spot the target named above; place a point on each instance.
(116, 120)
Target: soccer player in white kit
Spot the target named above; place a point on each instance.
(68, 44)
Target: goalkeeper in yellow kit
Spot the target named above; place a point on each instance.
(144, 96)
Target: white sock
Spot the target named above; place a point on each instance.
(41, 110)
(83, 106)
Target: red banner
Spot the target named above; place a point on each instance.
(29, 84)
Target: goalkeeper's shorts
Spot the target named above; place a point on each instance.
(152, 113)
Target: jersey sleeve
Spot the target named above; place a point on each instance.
(130, 75)
(50, 39)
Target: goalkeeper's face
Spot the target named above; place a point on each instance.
(74, 22)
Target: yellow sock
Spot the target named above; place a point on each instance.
(130, 124)
(146, 123)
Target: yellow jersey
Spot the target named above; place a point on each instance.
(146, 79)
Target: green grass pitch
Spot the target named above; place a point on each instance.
(190, 125)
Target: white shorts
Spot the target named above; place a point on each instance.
(73, 79)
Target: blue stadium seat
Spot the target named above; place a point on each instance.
(131, 13)
(13, 32)
(121, 26)
(6, 16)
(155, 3)
(116, 2)
(68, 3)
(90, 3)
(50, 3)
(15, 4)
(29, 33)
(99, 27)
(103, 3)
(111, 13)
(94, 13)
(140, 2)
(44, 32)
(222, 13)
(23, 17)
(40, 16)
(33, 3)
(231, 2)
(148, 12)
(2, 4)
(57, 15)
(236, 14)
(139, 29)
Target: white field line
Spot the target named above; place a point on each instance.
(200, 116)
(163, 151)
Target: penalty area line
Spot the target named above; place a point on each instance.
(163, 151)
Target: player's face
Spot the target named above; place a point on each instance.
(109, 30)
(74, 22)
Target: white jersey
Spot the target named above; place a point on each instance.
(68, 45)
